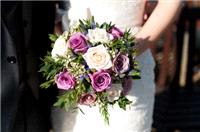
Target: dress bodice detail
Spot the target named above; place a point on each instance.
(123, 13)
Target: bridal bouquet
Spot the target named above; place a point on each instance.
(90, 63)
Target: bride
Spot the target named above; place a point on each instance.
(125, 14)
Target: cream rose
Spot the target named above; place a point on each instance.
(60, 48)
(98, 58)
(99, 35)
(114, 92)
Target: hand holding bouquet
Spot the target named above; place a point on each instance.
(88, 62)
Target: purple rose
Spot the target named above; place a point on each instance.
(77, 43)
(88, 99)
(116, 32)
(121, 63)
(65, 81)
(101, 80)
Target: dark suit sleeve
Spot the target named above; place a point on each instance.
(11, 81)
(24, 39)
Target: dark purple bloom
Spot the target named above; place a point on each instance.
(127, 85)
(116, 32)
(77, 43)
(121, 63)
(93, 25)
(101, 80)
(65, 81)
(88, 99)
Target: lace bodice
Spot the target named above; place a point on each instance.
(123, 13)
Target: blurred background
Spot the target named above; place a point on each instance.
(177, 54)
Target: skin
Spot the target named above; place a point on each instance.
(162, 16)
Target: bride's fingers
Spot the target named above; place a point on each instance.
(141, 46)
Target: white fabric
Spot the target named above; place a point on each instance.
(138, 117)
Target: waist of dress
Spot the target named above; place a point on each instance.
(146, 57)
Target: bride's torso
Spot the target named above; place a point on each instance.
(122, 13)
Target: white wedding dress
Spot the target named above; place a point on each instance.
(138, 117)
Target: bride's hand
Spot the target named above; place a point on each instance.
(156, 25)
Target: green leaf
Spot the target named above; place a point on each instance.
(87, 79)
(123, 102)
(134, 73)
(104, 112)
(81, 22)
(53, 37)
(70, 98)
(104, 25)
(47, 84)
(81, 110)
(97, 25)
(136, 63)
(49, 69)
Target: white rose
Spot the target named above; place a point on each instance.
(60, 48)
(114, 92)
(99, 35)
(98, 58)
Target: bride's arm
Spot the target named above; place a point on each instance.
(162, 16)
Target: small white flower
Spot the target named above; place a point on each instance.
(60, 48)
(65, 34)
(99, 35)
(98, 58)
(114, 92)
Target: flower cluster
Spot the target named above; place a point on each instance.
(90, 62)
